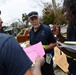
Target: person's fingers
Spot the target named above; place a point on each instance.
(39, 61)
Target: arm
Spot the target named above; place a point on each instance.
(38, 63)
(56, 31)
(52, 40)
(50, 46)
(37, 71)
(37, 67)
(29, 72)
(68, 53)
(60, 38)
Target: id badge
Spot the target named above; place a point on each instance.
(48, 58)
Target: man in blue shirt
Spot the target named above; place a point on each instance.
(13, 60)
(43, 33)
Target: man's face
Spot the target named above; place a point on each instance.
(34, 21)
(1, 23)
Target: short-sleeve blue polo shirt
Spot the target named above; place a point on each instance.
(43, 34)
(13, 60)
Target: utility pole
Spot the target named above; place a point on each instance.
(54, 6)
(0, 12)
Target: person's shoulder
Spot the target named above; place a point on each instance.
(4, 38)
(47, 27)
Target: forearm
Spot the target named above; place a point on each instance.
(60, 38)
(50, 46)
(29, 72)
(37, 66)
(37, 71)
(68, 53)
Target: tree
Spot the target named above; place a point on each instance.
(25, 18)
(49, 16)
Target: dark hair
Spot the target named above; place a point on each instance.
(71, 6)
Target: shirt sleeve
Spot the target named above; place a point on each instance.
(15, 59)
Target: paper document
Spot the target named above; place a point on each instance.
(70, 48)
(34, 51)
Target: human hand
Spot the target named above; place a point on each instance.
(37, 66)
(28, 45)
(39, 61)
(61, 48)
(56, 29)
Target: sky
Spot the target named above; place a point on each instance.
(12, 10)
